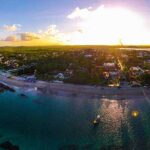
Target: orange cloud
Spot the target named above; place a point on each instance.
(48, 37)
(28, 36)
(11, 38)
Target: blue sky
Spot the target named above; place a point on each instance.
(34, 15)
(37, 13)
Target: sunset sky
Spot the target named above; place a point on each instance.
(75, 22)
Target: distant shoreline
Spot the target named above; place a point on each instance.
(62, 89)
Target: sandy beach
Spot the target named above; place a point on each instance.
(80, 90)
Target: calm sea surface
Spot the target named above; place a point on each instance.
(47, 123)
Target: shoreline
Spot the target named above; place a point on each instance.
(63, 89)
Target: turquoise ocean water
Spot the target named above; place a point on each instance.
(50, 123)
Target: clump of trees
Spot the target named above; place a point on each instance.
(145, 79)
(86, 70)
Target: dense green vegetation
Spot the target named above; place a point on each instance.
(78, 64)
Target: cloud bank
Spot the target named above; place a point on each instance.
(101, 25)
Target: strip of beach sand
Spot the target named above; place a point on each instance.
(78, 90)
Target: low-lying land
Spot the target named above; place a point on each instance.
(81, 65)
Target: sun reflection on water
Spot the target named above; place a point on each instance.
(114, 114)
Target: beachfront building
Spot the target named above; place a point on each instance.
(110, 66)
(60, 76)
(135, 84)
(136, 71)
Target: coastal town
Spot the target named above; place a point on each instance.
(98, 66)
(75, 75)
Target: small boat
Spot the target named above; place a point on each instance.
(96, 121)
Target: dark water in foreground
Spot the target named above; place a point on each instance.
(48, 123)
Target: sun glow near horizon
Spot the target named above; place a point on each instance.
(88, 26)
(109, 26)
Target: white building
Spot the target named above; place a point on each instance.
(110, 66)
(60, 76)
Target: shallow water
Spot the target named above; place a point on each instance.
(49, 123)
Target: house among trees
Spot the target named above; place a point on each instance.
(60, 76)
(110, 66)
(136, 71)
